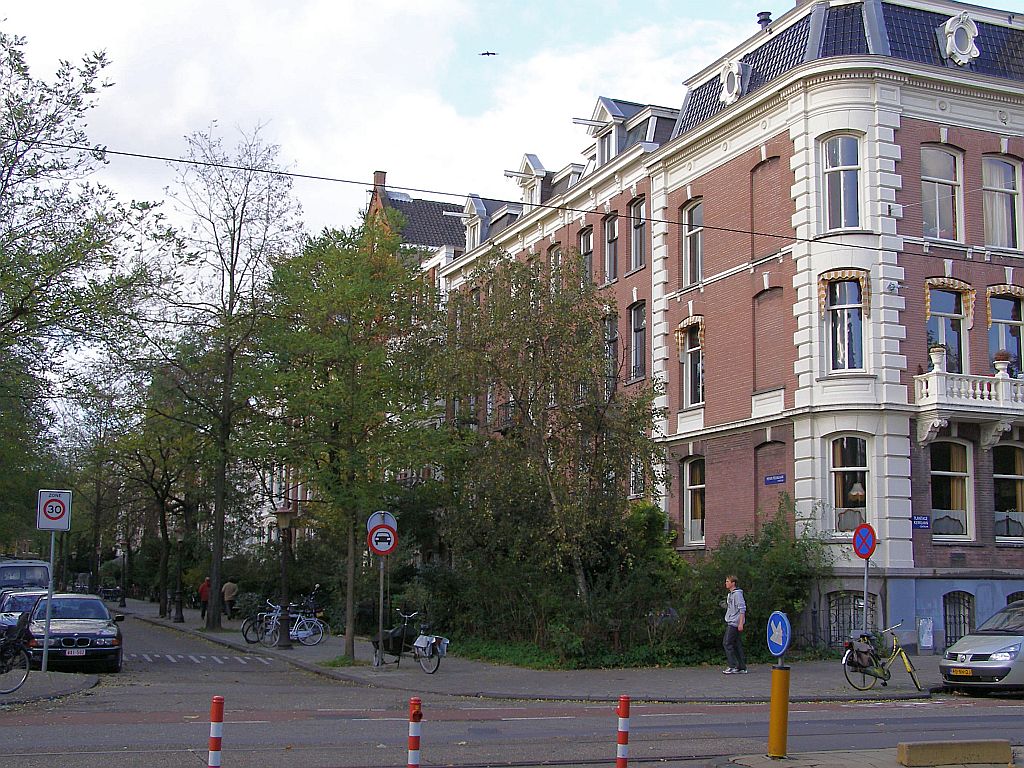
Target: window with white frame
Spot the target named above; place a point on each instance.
(1006, 330)
(606, 147)
(842, 182)
(1000, 181)
(691, 360)
(945, 326)
(693, 501)
(1008, 486)
(611, 248)
(472, 235)
(950, 478)
(638, 235)
(692, 266)
(611, 353)
(846, 325)
(941, 195)
(554, 266)
(848, 467)
(638, 338)
(586, 242)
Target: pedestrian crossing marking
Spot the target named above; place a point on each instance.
(154, 658)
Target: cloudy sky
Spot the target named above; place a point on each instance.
(348, 87)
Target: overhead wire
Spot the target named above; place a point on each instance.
(442, 193)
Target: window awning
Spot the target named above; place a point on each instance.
(837, 275)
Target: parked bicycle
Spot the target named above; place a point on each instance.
(864, 666)
(14, 658)
(306, 626)
(427, 649)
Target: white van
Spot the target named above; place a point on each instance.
(22, 574)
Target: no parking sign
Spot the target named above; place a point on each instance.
(53, 510)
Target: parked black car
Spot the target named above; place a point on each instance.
(14, 601)
(82, 632)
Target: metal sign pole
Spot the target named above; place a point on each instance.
(49, 607)
(380, 618)
(866, 561)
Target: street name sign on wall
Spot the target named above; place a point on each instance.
(53, 510)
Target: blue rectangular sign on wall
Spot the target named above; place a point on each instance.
(774, 479)
(921, 521)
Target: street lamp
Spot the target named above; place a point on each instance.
(121, 603)
(179, 617)
(284, 520)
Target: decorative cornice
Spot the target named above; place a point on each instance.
(992, 431)
(928, 428)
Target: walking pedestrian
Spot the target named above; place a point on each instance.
(204, 596)
(230, 592)
(735, 617)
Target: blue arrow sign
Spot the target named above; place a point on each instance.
(779, 633)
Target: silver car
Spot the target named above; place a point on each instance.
(989, 657)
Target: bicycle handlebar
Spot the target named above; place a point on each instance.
(412, 615)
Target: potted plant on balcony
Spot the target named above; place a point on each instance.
(937, 352)
(1001, 361)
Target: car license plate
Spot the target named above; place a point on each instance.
(75, 652)
(960, 672)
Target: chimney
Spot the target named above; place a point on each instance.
(764, 18)
(378, 178)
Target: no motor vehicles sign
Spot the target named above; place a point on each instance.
(53, 511)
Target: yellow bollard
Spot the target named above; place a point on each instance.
(778, 713)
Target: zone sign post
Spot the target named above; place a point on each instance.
(864, 543)
(53, 513)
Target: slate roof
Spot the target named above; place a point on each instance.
(425, 224)
(872, 27)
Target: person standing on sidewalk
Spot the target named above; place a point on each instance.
(230, 592)
(735, 617)
(204, 596)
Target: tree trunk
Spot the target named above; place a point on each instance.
(220, 487)
(350, 591)
(165, 545)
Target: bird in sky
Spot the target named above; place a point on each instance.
(488, 53)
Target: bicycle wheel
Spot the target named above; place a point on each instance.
(310, 632)
(250, 630)
(271, 637)
(430, 662)
(856, 676)
(269, 632)
(910, 669)
(14, 671)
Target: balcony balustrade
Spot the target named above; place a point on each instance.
(996, 393)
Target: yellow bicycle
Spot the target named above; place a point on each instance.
(864, 666)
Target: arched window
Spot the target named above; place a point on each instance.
(957, 615)
(845, 325)
(841, 165)
(693, 501)
(638, 234)
(586, 244)
(941, 194)
(946, 320)
(950, 475)
(1008, 490)
(638, 340)
(849, 487)
(1013, 597)
(692, 261)
(1000, 180)
(1006, 325)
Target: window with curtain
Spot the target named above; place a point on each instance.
(586, 241)
(692, 262)
(693, 499)
(846, 325)
(842, 182)
(849, 471)
(638, 236)
(638, 348)
(949, 475)
(611, 247)
(945, 326)
(941, 196)
(691, 361)
(1008, 485)
(1006, 330)
(1000, 181)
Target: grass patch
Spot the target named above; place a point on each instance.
(342, 661)
(514, 654)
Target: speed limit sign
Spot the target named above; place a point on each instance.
(53, 510)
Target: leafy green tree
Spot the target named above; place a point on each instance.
(531, 355)
(350, 349)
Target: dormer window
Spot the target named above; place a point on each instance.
(472, 235)
(957, 39)
(606, 147)
(734, 80)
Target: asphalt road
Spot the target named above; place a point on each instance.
(156, 713)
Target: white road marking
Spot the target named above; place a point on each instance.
(194, 659)
(171, 658)
(552, 717)
(146, 657)
(240, 659)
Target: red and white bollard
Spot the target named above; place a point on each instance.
(415, 716)
(216, 730)
(622, 743)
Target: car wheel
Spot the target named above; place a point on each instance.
(115, 665)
